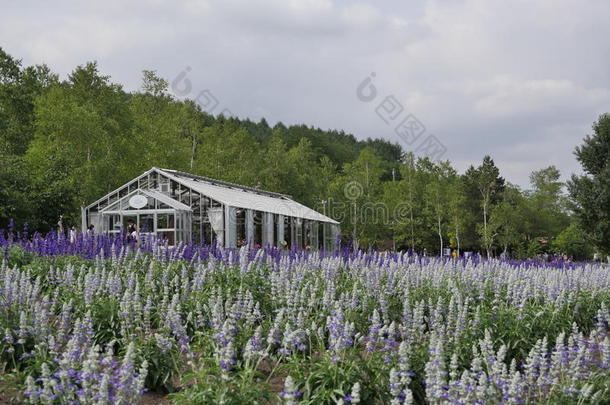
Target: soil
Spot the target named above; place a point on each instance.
(152, 398)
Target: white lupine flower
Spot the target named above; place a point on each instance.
(23, 330)
(103, 397)
(275, 333)
(395, 385)
(290, 392)
(435, 371)
(355, 394)
(32, 393)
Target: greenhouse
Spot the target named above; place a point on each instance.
(182, 207)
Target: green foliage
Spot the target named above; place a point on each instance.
(485, 187)
(14, 190)
(163, 363)
(536, 247)
(574, 242)
(547, 202)
(211, 385)
(590, 193)
(438, 200)
(16, 256)
(325, 380)
(507, 218)
(355, 199)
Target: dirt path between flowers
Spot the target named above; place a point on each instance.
(152, 398)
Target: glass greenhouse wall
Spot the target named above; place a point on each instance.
(181, 207)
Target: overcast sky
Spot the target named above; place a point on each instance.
(521, 80)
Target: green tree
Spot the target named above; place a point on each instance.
(77, 152)
(507, 218)
(408, 172)
(574, 242)
(15, 187)
(590, 192)
(357, 200)
(438, 199)
(228, 153)
(485, 186)
(303, 172)
(19, 88)
(163, 132)
(275, 173)
(192, 121)
(547, 203)
(457, 211)
(400, 197)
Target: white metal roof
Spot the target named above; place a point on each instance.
(166, 200)
(243, 197)
(150, 193)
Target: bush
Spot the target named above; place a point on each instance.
(573, 241)
(16, 256)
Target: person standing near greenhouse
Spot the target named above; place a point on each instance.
(72, 234)
(132, 231)
(60, 224)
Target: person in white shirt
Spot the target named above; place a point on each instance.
(72, 234)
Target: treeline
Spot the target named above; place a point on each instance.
(65, 143)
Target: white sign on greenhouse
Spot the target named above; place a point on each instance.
(182, 207)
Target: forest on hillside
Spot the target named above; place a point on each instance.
(65, 143)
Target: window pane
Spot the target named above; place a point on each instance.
(240, 220)
(288, 232)
(258, 228)
(165, 221)
(167, 236)
(147, 223)
(114, 223)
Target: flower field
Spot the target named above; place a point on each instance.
(98, 322)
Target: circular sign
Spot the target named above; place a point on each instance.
(138, 201)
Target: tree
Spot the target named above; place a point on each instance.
(590, 192)
(456, 210)
(228, 153)
(163, 133)
(574, 242)
(275, 174)
(15, 110)
(154, 85)
(192, 121)
(78, 153)
(547, 203)
(507, 218)
(65, 143)
(486, 185)
(357, 194)
(19, 88)
(438, 198)
(15, 187)
(399, 196)
(303, 171)
(408, 173)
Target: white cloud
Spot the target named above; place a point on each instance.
(509, 97)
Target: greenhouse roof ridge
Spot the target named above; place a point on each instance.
(223, 183)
